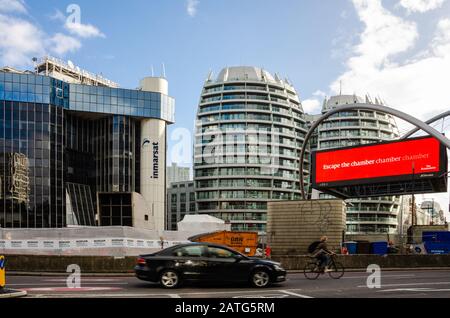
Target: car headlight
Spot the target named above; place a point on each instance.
(278, 267)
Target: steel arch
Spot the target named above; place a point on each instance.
(428, 122)
(357, 106)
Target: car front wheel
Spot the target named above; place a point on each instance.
(170, 279)
(260, 278)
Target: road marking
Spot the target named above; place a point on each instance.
(49, 284)
(263, 296)
(410, 284)
(122, 295)
(414, 290)
(92, 295)
(85, 280)
(235, 292)
(67, 289)
(384, 276)
(295, 294)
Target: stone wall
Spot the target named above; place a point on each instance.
(293, 225)
(298, 262)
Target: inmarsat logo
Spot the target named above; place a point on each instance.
(155, 156)
(146, 141)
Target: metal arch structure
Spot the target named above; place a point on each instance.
(428, 122)
(357, 106)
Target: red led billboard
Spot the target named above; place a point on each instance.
(418, 158)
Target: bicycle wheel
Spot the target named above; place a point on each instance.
(336, 270)
(311, 271)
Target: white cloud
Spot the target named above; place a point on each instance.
(58, 16)
(312, 106)
(9, 6)
(419, 85)
(62, 44)
(191, 7)
(441, 42)
(416, 84)
(83, 30)
(75, 27)
(421, 5)
(319, 93)
(19, 41)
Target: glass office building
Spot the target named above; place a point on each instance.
(249, 132)
(68, 148)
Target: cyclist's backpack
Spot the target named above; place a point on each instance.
(313, 247)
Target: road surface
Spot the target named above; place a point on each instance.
(417, 283)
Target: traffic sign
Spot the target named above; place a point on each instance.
(2, 271)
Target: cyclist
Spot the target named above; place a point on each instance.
(322, 254)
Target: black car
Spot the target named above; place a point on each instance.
(206, 262)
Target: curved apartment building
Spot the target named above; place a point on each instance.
(249, 131)
(349, 128)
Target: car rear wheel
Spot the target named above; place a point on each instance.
(170, 279)
(260, 278)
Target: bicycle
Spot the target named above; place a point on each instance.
(312, 270)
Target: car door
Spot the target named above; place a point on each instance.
(224, 265)
(191, 262)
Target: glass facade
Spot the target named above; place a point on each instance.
(35, 131)
(53, 134)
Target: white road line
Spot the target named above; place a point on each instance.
(295, 294)
(288, 292)
(262, 296)
(236, 292)
(63, 285)
(91, 295)
(414, 290)
(121, 295)
(384, 276)
(84, 280)
(410, 284)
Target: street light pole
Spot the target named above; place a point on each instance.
(413, 211)
(432, 213)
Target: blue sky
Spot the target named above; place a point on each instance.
(289, 37)
(396, 49)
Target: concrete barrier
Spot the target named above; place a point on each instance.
(298, 262)
(101, 264)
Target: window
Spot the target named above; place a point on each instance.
(216, 252)
(190, 251)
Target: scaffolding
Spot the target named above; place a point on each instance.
(67, 71)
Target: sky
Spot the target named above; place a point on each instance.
(398, 50)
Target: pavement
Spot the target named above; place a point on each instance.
(11, 293)
(393, 284)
